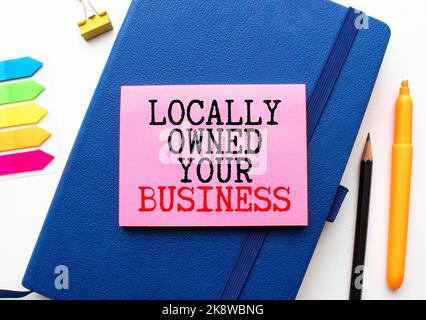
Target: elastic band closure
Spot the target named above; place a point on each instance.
(337, 203)
(331, 72)
(243, 264)
(316, 105)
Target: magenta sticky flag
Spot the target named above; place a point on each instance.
(213, 155)
(24, 162)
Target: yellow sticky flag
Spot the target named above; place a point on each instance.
(29, 113)
(22, 138)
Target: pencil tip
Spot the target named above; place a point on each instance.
(368, 152)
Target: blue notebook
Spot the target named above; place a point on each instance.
(204, 42)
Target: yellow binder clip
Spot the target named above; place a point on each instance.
(94, 25)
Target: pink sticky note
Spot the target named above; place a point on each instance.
(213, 155)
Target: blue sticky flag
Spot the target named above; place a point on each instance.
(18, 68)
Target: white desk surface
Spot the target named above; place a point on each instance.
(46, 29)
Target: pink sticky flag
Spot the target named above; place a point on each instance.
(24, 162)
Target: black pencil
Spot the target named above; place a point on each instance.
(361, 222)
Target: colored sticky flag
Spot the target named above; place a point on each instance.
(24, 114)
(18, 68)
(20, 91)
(24, 162)
(30, 113)
(22, 138)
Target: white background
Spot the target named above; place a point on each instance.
(47, 30)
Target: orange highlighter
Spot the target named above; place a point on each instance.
(402, 156)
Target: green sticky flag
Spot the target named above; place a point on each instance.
(20, 91)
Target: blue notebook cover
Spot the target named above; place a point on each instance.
(202, 42)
